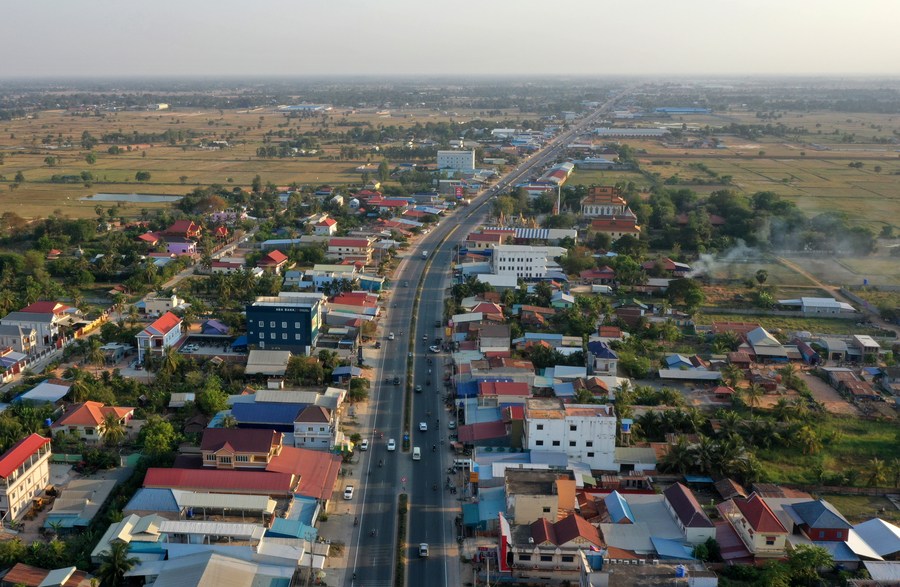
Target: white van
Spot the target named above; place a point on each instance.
(417, 453)
(424, 254)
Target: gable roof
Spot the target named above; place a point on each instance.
(618, 509)
(182, 226)
(240, 440)
(817, 514)
(273, 258)
(273, 414)
(222, 480)
(19, 453)
(882, 536)
(45, 308)
(162, 325)
(348, 242)
(686, 507)
(758, 514)
(542, 531)
(761, 337)
(314, 414)
(90, 414)
(574, 526)
(601, 350)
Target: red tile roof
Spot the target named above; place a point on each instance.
(511, 413)
(348, 242)
(221, 481)
(19, 453)
(627, 224)
(481, 431)
(542, 531)
(504, 389)
(574, 526)
(149, 237)
(164, 324)
(480, 237)
(182, 227)
(90, 414)
(28, 576)
(275, 257)
(240, 440)
(327, 222)
(759, 515)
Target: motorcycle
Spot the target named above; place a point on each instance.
(356, 521)
(381, 463)
(373, 533)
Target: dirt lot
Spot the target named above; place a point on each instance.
(826, 394)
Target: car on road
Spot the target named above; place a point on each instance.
(451, 425)
(410, 355)
(423, 550)
(364, 444)
(405, 284)
(434, 348)
(348, 492)
(418, 389)
(423, 426)
(392, 444)
(396, 381)
(437, 323)
(390, 336)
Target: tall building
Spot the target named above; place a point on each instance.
(24, 474)
(289, 321)
(456, 160)
(585, 433)
(524, 261)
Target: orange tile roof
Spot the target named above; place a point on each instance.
(90, 414)
(164, 323)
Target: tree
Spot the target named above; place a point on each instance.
(877, 473)
(761, 276)
(753, 394)
(157, 436)
(808, 440)
(212, 399)
(680, 457)
(20, 177)
(805, 560)
(359, 389)
(384, 171)
(114, 563)
(170, 361)
(142, 176)
(95, 354)
(90, 158)
(113, 430)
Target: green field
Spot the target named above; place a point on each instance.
(859, 508)
(597, 177)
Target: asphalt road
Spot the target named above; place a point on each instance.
(432, 508)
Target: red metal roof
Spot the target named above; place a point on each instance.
(626, 224)
(241, 440)
(481, 431)
(574, 526)
(275, 257)
(149, 237)
(19, 453)
(348, 242)
(316, 470)
(758, 514)
(327, 222)
(221, 481)
(501, 388)
(45, 308)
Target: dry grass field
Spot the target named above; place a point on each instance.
(27, 143)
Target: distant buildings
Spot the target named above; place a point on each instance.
(525, 262)
(456, 160)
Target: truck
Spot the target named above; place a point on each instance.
(424, 254)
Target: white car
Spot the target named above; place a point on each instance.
(391, 336)
(364, 444)
(423, 550)
(423, 427)
(392, 444)
(434, 349)
(451, 425)
(348, 492)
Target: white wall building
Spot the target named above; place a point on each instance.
(456, 160)
(524, 261)
(24, 474)
(585, 433)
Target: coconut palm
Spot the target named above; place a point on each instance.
(808, 440)
(115, 562)
(877, 472)
(753, 394)
(81, 385)
(732, 374)
(229, 421)
(94, 353)
(113, 430)
(170, 361)
(680, 457)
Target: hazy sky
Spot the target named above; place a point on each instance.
(51, 38)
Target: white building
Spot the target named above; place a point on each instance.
(24, 474)
(156, 338)
(585, 433)
(159, 305)
(524, 261)
(456, 160)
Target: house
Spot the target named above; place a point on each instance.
(394, 206)
(316, 428)
(159, 305)
(561, 300)
(273, 261)
(325, 227)
(601, 359)
(882, 536)
(497, 393)
(350, 249)
(479, 241)
(181, 247)
(615, 227)
(688, 514)
(818, 306)
(183, 228)
(289, 321)
(22, 575)
(150, 238)
(765, 346)
(221, 233)
(535, 316)
(494, 338)
(585, 433)
(226, 267)
(50, 321)
(24, 474)
(533, 494)
(667, 267)
(819, 521)
(88, 420)
(21, 339)
(547, 546)
(602, 276)
(866, 347)
(163, 333)
(756, 524)
(48, 391)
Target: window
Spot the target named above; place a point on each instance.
(284, 324)
(524, 557)
(589, 443)
(211, 457)
(573, 428)
(568, 558)
(296, 337)
(296, 325)
(284, 336)
(590, 455)
(272, 335)
(546, 558)
(88, 431)
(572, 443)
(821, 534)
(770, 540)
(840, 534)
(539, 443)
(555, 443)
(321, 429)
(546, 509)
(225, 460)
(242, 459)
(272, 324)
(540, 426)
(262, 324)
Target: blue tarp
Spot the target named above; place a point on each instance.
(564, 390)
(304, 509)
(240, 341)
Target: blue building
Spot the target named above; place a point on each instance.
(287, 322)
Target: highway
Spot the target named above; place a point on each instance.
(432, 508)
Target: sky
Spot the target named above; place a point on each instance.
(113, 38)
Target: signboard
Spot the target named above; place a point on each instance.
(459, 192)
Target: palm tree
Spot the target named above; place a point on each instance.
(877, 472)
(170, 361)
(115, 562)
(229, 421)
(732, 374)
(895, 471)
(705, 454)
(94, 353)
(753, 394)
(133, 315)
(113, 430)
(680, 457)
(808, 440)
(81, 386)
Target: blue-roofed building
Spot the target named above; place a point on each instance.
(304, 509)
(669, 549)
(483, 515)
(274, 416)
(564, 390)
(678, 362)
(601, 359)
(282, 528)
(342, 373)
(617, 509)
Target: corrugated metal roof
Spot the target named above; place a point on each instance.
(250, 503)
(233, 530)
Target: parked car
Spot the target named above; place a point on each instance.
(390, 336)
(364, 444)
(348, 492)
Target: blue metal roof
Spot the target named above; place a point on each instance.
(618, 508)
(239, 341)
(152, 500)
(304, 509)
(600, 349)
(564, 390)
(282, 528)
(274, 413)
(671, 549)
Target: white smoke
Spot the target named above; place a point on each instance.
(709, 264)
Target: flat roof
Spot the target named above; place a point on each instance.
(250, 503)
